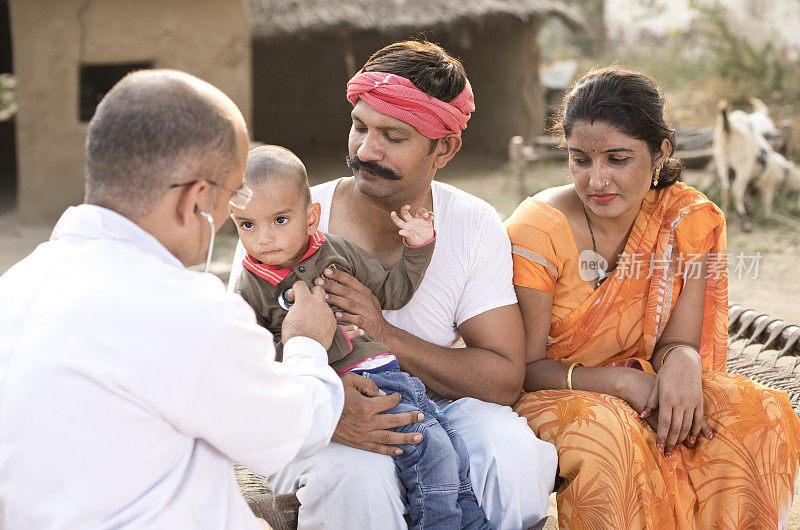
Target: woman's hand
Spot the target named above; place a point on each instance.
(678, 396)
(636, 388)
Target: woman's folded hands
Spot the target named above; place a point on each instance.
(671, 402)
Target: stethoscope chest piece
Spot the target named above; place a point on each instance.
(283, 299)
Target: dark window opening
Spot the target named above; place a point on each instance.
(97, 79)
(8, 106)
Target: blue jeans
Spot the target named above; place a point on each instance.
(435, 471)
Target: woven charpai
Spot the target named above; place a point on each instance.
(766, 350)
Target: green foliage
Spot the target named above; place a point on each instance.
(593, 41)
(674, 65)
(749, 69)
(8, 100)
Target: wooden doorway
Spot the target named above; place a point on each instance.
(8, 148)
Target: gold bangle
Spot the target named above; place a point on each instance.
(569, 374)
(664, 357)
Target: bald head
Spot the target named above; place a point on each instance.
(156, 128)
(268, 162)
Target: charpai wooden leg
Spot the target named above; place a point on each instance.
(266, 506)
(547, 523)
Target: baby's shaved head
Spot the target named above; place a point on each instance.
(268, 162)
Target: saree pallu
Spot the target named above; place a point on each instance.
(614, 476)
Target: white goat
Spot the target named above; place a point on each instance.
(778, 173)
(741, 151)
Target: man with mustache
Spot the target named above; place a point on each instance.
(410, 102)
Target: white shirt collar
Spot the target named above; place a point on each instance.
(90, 221)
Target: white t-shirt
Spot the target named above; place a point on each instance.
(128, 381)
(469, 274)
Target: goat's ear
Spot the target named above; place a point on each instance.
(759, 106)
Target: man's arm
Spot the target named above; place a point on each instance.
(476, 371)
(490, 368)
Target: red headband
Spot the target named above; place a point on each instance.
(397, 97)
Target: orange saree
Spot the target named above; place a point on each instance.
(614, 476)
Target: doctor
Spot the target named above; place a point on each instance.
(127, 381)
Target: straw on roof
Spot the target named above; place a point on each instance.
(273, 18)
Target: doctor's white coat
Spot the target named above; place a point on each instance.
(128, 381)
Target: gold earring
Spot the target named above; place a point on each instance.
(656, 173)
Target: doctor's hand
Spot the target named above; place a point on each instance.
(362, 425)
(310, 316)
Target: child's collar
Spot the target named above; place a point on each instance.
(272, 273)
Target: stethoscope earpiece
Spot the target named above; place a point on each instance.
(210, 220)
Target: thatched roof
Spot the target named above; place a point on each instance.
(273, 18)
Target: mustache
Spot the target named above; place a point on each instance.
(355, 163)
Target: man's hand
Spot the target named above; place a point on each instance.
(310, 316)
(358, 305)
(362, 425)
(417, 229)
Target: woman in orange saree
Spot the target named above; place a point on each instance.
(625, 371)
